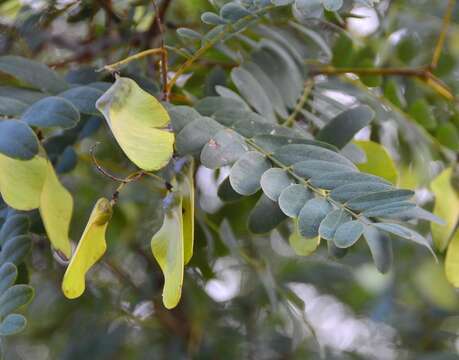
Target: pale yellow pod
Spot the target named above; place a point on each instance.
(446, 207)
(452, 261)
(378, 161)
(139, 124)
(21, 181)
(90, 249)
(30, 184)
(187, 191)
(56, 208)
(168, 250)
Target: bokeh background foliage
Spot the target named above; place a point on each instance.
(361, 85)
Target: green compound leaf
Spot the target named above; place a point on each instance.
(389, 209)
(380, 247)
(32, 73)
(11, 107)
(348, 233)
(233, 12)
(293, 198)
(251, 89)
(8, 275)
(182, 116)
(15, 297)
(84, 98)
(12, 324)
(332, 221)
(341, 129)
(382, 198)
(310, 168)
(291, 154)
(192, 138)
(212, 19)
(336, 179)
(311, 215)
(274, 181)
(246, 173)
(17, 140)
(51, 112)
(405, 233)
(224, 148)
(14, 225)
(347, 192)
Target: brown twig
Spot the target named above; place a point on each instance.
(115, 66)
(101, 169)
(137, 175)
(161, 13)
(164, 54)
(123, 181)
(422, 73)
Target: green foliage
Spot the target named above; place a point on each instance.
(15, 244)
(267, 159)
(17, 140)
(319, 170)
(340, 130)
(50, 112)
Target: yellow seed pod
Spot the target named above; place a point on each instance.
(30, 184)
(90, 249)
(139, 124)
(21, 181)
(452, 261)
(378, 161)
(56, 208)
(168, 250)
(446, 207)
(187, 192)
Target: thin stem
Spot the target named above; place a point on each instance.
(123, 181)
(442, 37)
(439, 86)
(422, 73)
(178, 51)
(164, 54)
(300, 104)
(131, 178)
(100, 168)
(115, 66)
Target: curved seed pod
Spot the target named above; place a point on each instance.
(167, 246)
(139, 123)
(90, 249)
